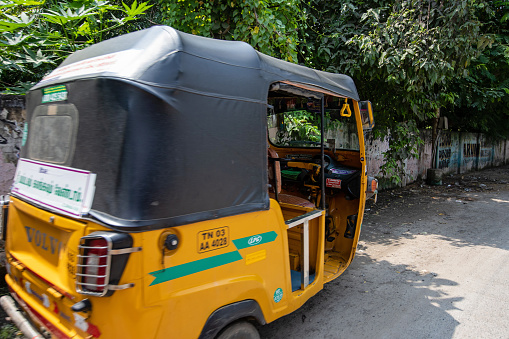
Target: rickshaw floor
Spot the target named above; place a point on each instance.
(334, 266)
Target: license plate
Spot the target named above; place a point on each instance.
(213, 239)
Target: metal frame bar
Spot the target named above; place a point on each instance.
(304, 220)
(276, 193)
(304, 272)
(322, 152)
(301, 218)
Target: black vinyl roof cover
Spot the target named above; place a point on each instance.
(174, 125)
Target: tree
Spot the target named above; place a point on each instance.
(271, 26)
(482, 97)
(38, 35)
(404, 54)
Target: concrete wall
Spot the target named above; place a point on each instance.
(457, 152)
(12, 121)
(463, 152)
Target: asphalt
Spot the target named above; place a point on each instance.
(432, 262)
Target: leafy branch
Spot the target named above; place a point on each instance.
(38, 35)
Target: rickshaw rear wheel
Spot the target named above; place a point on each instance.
(239, 330)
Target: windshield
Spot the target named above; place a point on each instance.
(295, 122)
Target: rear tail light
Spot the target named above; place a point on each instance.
(94, 269)
(101, 261)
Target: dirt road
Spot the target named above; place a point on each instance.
(433, 262)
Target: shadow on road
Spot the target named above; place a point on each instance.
(465, 211)
(390, 290)
(373, 299)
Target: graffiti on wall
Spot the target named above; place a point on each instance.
(444, 151)
(486, 153)
(444, 158)
(470, 150)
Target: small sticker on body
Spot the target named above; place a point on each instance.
(278, 295)
(333, 183)
(255, 257)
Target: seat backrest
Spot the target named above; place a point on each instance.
(273, 154)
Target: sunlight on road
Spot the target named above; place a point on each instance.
(499, 200)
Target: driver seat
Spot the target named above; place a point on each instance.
(284, 198)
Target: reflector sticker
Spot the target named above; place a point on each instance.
(55, 331)
(255, 257)
(52, 94)
(42, 297)
(196, 266)
(81, 323)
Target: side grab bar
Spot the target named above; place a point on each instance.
(304, 220)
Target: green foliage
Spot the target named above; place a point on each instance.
(271, 26)
(299, 126)
(330, 25)
(38, 35)
(482, 97)
(404, 143)
(405, 56)
(9, 331)
(417, 48)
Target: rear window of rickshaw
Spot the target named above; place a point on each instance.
(52, 133)
(295, 122)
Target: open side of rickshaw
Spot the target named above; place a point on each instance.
(187, 192)
(296, 178)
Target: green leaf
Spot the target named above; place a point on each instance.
(136, 9)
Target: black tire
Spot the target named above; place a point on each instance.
(239, 330)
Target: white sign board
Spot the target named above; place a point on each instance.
(64, 189)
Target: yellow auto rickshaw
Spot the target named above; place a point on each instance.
(175, 186)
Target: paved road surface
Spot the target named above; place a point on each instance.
(432, 263)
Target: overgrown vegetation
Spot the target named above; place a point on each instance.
(300, 126)
(37, 35)
(271, 27)
(10, 331)
(409, 57)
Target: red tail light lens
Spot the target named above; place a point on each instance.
(93, 268)
(96, 263)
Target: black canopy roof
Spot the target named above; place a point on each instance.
(174, 125)
(166, 57)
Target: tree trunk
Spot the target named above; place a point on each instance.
(434, 141)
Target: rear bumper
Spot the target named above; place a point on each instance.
(36, 314)
(24, 325)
